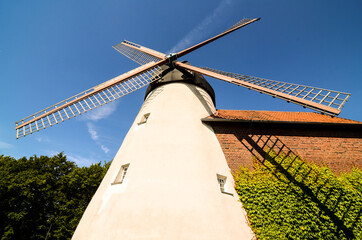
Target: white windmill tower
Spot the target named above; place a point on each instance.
(170, 179)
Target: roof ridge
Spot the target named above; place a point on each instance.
(287, 116)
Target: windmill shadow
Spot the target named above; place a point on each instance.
(290, 169)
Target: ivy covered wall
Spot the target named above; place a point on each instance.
(287, 198)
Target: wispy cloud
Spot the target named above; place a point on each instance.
(105, 149)
(52, 152)
(42, 139)
(201, 29)
(5, 145)
(100, 112)
(92, 131)
(95, 115)
(80, 161)
(94, 136)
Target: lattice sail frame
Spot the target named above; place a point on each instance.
(329, 98)
(150, 60)
(240, 23)
(88, 100)
(134, 52)
(244, 22)
(322, 100)
(143, 55)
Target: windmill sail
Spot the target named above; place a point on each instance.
(88, 100)
(322, 100)
(138, 53)
(112, 89)
(143, 55)
(233, 28)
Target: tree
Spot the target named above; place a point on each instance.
(44, 196)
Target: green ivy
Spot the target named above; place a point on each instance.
(288, 198)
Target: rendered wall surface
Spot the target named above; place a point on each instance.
(171, 189)
(338, 147)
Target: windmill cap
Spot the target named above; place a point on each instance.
(172, 75)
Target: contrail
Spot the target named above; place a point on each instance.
(200, 30)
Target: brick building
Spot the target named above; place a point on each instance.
(314, 137)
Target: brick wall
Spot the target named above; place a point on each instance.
(337, 146)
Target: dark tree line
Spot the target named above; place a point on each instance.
(44, 197)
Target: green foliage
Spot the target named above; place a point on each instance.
(287, 198)
(44, 196)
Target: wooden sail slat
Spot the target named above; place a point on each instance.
(313, 102)
(102, 91)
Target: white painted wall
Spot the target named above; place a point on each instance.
(170, 190)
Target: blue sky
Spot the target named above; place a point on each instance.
(52, 50)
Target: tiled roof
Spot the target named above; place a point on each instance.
(274, 116)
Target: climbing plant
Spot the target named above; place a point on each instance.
(288, 198)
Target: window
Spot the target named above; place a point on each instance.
(222, 184)
(144, 118)
(221, 180)
(121, 174)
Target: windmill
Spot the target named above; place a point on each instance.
(169, 179)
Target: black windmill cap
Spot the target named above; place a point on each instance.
(174, 74)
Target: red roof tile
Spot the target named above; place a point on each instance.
(305, 117)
